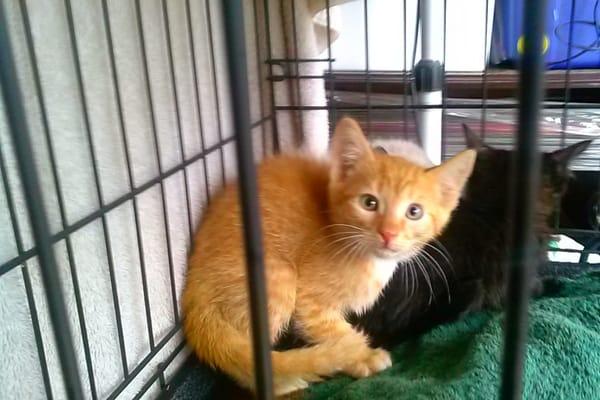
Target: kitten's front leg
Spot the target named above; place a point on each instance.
(360, 360)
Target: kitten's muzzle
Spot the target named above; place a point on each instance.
(387, 237)
(386, 253)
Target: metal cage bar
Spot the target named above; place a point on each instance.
(484, 85)
(331, 96)
(99, 194)
(216, 87)
(236, 51)
(19, 130)
(192, 50)
(567, 98)
(157, 146)
(173, 77)
(159, 372)
(39, 342)
(59, 194)
(526, 178)
(367, 64)
(274, 126)
(18, 260)
(298, 96)
(132, 193)
(145, 361)
(507, 106)
(405, 82)
(259, 73)
(124, 141)
(444, 90)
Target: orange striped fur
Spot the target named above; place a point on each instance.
(324, 256)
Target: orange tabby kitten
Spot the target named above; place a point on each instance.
(333, 234)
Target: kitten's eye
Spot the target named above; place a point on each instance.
(414, 211)
(369, 202)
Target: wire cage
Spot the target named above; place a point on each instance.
(119, 121)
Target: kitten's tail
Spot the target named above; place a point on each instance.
(223, 347)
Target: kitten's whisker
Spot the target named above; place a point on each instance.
(345, 251)
(356, 228)
(408, 278)
(442, 247)
(443, 253)
(321, 239)
(438, 268)
(362, 249)
(424, 250)
(427, 279)
(340, 250)
(352, 239)
(341, 233)
(405, 268)
(355, 251)
(448, 260)
(413, 281)
(346, 237)
(345, 246)
(415, 276)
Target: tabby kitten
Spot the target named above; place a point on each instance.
(333, 233)
(465, 270)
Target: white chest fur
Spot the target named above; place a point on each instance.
(381, 272)
(383, 269)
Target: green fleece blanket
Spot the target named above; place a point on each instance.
(462, 360)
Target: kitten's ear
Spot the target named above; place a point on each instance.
(453, 174)
(348, 146)
(472, 139)
(566, 155)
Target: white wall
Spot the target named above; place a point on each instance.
(465, 34)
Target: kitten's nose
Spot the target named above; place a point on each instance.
(387, 236)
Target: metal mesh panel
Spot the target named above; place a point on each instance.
(127, 107)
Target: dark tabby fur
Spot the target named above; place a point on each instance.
(466, 267)
(474, 243)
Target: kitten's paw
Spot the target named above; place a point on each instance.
(358, 370)
(285, 386)
(379, 360)
(376, 361)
